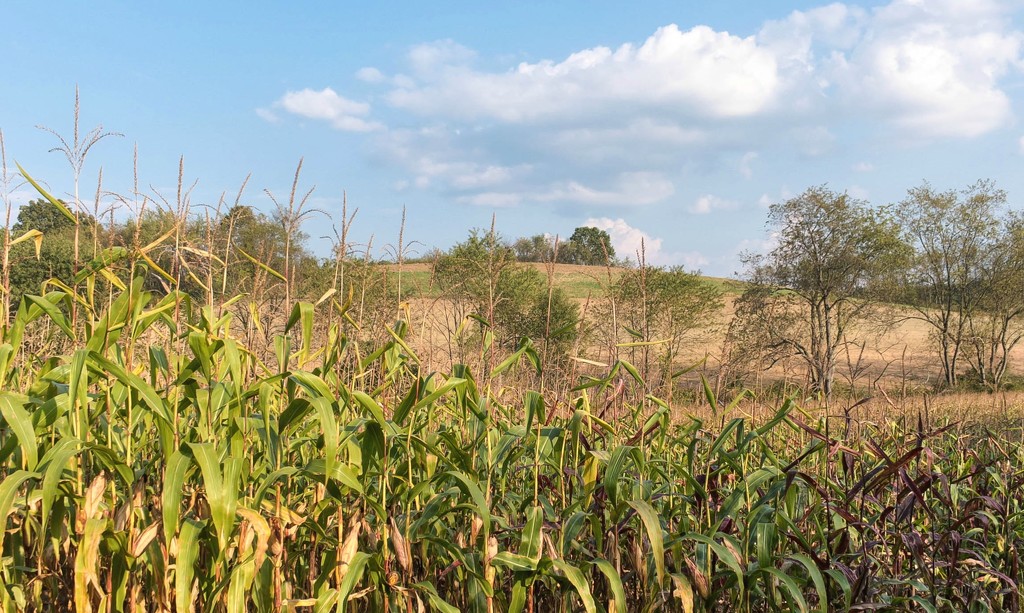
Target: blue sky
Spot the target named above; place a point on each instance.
(676, 122)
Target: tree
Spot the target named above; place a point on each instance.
(482, 273)
(659, 309)
(537, 248)
(291, 215)
(997, 326)
(588, 246)
(809, 290)
(43, 216)
(244, 230)
(56, 257)
(952, 236)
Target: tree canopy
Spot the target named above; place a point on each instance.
(588, 246)
(830, 247)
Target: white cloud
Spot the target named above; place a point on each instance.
(932, 68)
(766, 200)
(863, 167)
(745, 164)
(690, 260)
(329, 106)
(482, 177)
(267, 115)
(627, 189)
(859, 192)
(629, 242)
(21, 197)
(708, 202)
(369, 74)
(705, 72)
(758, 245)
(617, 125)
(440, 56)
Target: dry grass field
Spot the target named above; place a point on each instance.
(897, 357)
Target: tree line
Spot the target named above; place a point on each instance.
(839, 270)
(952, 260)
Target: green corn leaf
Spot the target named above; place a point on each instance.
(107, 258)
(302, 312)
(470, 487)
(240, 587)
(514, 562)
(53, 464)
(654, 534)
(796, 597)
(65, 211)
(8, 492)
(449, 385)
(844, 584)
(579, 582)
(173, 487)
(372, 408)
(723, 554)
(613, 473)
(352, 577)
(184, 564)
(329, 429)
(816, 577)
(221, 488)
(54, 313)
(532, 540)
(436, 602)
(19, 421)
(618, 595)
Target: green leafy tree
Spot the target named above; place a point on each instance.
(588, 246)
(483, 274)
(245, 232)
(997, 326)
(56, 257)
(43, 216)
(536, 248)
(807, 293)
(952, 237)
(657, 311)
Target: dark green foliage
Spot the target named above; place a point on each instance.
(537, 248)
(954, 239)
(669, 300)
(40, 215)
(56, 260)
(588, 246)
(56, 255)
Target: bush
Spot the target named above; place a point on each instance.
(483, 274)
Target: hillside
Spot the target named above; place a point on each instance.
(898, 355)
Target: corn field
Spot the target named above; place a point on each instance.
(153, 462)
(188, 474)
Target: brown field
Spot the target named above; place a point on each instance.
(894, 368)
